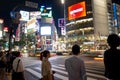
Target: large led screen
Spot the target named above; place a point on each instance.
(76, 11)
(45, 30)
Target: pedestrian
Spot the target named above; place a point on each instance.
(18, 72)
(46, 66)
(2, 66)
(75, 66)
(112, 58)
(41, 55)
(9, 65)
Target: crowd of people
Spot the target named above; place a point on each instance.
(11, 62)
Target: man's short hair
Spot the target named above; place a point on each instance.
(113, 40)
(76, 49)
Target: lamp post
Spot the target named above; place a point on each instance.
(63, 2)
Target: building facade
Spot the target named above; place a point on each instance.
(87, 24)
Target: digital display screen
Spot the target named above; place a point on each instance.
(76, 11)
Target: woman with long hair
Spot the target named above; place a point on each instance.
(46, 66)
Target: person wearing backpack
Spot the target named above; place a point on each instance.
(2, 66)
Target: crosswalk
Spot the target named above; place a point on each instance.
(61, 73)
(33, 71)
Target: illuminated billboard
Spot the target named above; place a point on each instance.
(35, 14)
(46, 30)
(46, 12)
(76, 11)
(24, 15)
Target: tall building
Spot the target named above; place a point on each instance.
(87, 23)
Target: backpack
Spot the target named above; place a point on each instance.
(2, 63)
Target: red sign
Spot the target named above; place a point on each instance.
(5, 29)
(76, 11)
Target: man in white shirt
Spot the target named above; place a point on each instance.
(18, 72)
(75, 66)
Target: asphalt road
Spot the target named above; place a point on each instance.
(32, 67)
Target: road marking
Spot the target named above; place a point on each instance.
(58, 67)
(60, 76)
(34, 72)
(56, 75)
(60, 71)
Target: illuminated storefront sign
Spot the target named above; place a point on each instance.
(24, 15)
(35, 14)
(77, 10)
(5, 29)
(46, 30)
(46, 11)
(115, 15)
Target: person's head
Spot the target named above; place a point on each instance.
(76, 49)
(113, 40)
(41, 55)
(1, 53)
(45, 54)
(16, 53)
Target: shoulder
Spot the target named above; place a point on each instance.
(107, 52)
(70, 58)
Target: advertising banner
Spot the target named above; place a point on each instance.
(77, 10)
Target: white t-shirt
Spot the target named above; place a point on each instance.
(20, 65)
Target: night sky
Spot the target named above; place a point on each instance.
(7, 5)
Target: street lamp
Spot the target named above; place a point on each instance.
(63, 2)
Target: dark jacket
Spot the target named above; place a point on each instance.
(112, 64)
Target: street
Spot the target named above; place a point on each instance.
(32, 66)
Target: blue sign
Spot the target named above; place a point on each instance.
(61, 22)
(115, 15)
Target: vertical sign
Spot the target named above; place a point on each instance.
(63, 30)
(61, 22)
(115, 15)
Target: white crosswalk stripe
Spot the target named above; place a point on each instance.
(62, 77)
(93, 72)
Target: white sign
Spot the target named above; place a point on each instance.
(63, 30)
(46, 30)
(31, 4)
(24, 15)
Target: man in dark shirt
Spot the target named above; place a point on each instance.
(112, 58)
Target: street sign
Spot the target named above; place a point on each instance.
(31, 4)
(61, 22)
(63, 30)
